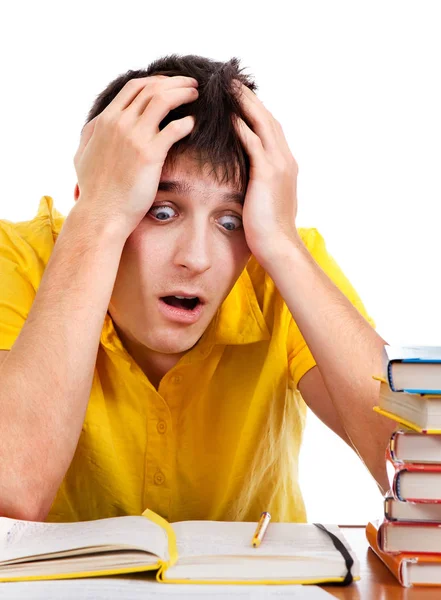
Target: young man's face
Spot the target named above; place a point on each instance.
(191, 243)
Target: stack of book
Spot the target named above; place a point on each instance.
(408, 537)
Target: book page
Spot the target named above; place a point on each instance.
(103, 588)
(222, 551)
(216, 538)
(26, 538)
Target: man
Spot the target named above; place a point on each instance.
(160, 342)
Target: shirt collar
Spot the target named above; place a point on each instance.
(111, 340)
(239, 319)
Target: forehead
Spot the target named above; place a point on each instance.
(192, 175)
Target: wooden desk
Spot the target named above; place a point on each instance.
(377, 582)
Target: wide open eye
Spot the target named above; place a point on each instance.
(162, 213)
(230, 222)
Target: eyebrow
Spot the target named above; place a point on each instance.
(179, 187)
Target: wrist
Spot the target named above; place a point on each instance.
(274, 254)
(98, 226)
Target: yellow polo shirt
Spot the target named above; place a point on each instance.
(183, 450)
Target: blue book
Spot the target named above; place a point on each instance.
(413, 369)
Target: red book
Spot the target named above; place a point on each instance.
(413, 538)
(414, 482)
(417, 512)
(410, 447)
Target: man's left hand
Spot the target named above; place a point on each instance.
(270, 205)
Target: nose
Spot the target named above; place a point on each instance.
(193, 249)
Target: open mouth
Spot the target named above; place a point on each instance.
(181, 302)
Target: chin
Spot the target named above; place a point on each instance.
(172, 342)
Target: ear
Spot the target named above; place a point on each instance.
(76, 192)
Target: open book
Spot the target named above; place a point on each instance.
(183, 552)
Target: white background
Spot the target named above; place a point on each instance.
(356, 88)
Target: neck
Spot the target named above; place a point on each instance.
(154, 364)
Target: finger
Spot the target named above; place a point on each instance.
(160, 105)
(251, 142)
(261, 120)
(139, 103)
(125, 96)
(177, 81)
(173, 132)
(86, 134)
(131, 89)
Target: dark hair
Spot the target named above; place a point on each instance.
(213, 140)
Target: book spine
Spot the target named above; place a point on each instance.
(390, 377)
(386, 508)
(396, 486)
(393, 469)
(392, 446)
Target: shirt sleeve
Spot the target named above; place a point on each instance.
(300, 359)
(16, 290)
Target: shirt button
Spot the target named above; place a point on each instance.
(177, 378)
(161, 426)
(159, 478)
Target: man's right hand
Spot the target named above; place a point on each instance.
(122, 152)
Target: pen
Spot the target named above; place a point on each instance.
(262, 526)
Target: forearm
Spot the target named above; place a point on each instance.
(47, 376)
(346, 348)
